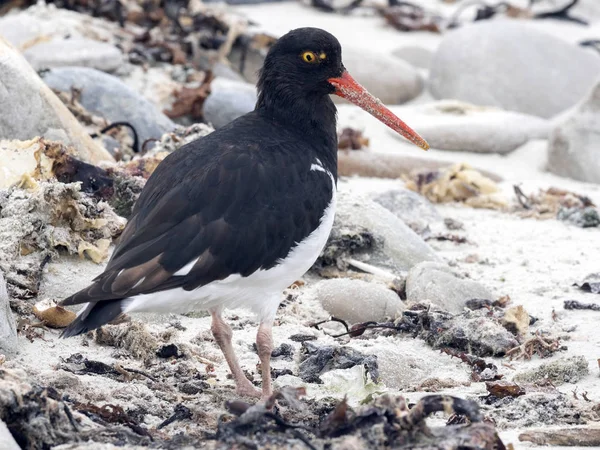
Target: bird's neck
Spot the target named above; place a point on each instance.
(313, 118)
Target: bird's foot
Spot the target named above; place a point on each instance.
(247, 390)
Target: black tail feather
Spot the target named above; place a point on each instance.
(95, 315)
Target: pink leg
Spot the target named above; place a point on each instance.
(264, 344)
(223, 334)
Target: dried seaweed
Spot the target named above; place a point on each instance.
(351, 139)
(574, 304)
(591, 283)
(539, 345)
(501, 389)
(316, 360)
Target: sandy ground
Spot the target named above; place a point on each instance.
(535, 262)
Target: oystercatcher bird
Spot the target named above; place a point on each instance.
(232, 219)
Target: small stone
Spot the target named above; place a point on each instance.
(107, 96)
(8, 327)
(472, 332)
(562, 370)
(435, 283)
(574, 143)
(193, 387)
(582, 217)
(499, 62)
(285, 351)
(358, 301)
(80, 52)
(415, 210)
(227, 101)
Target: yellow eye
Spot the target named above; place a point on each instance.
(310, 57)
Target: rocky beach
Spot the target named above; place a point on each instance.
(456, 304)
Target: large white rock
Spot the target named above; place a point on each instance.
(81, 52)
(8, 327)
(458, 126)
(107, 96)
(574, 147)
(512, 65)
(390, 79)
(358, 301)
(30, 108)
(366, 231)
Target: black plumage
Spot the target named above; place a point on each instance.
(233, 218)
(240, 198)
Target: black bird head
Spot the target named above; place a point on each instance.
(300, 71)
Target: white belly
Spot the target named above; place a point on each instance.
(260, 292)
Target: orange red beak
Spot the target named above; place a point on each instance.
(348, 88)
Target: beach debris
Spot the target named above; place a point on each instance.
(577, 436)
(554, 203)
(559, 371)
(574, 304)
(133, 337)
(477, 332)
(351, 139)
(316, 360)
(53, 315)
(343, 424)
(481, 370)
(501, 389)
(539, 345)
(590, 283)
(190, 101)
(516, 320)
(458, 183)
(181, 412)
(406, 16)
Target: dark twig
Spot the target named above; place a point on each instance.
(139, 372)
(70, 417)
(136, 144)
(521, 197)
(562, 14)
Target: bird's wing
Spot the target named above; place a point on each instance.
(240, 214)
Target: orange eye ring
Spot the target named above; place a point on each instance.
(309, 57)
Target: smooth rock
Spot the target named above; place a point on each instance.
(30, 109)
(8, 327)
(227, 101)
(366, 231)
(415, 210)
(417, 56)
(43, 21)
(81, 52)
(574, 146)
(109, 97)
(512, 65)
(358, 301)
(390, 79)
(435, 283)
(457, 126)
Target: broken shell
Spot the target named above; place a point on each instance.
(53, 315)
